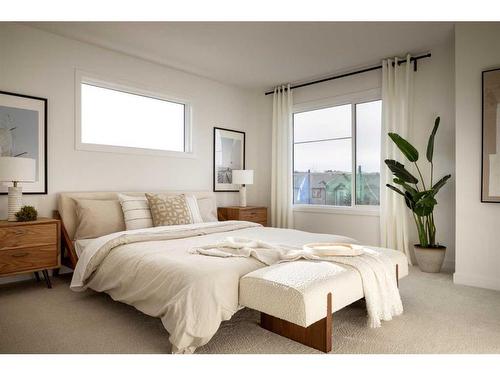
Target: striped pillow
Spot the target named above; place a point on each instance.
(136, 211)
(192, 203)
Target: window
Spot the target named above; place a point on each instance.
(329, 144)
(113, 118)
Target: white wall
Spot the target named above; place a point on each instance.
(433, 96)
(42, 64)
(477, 224)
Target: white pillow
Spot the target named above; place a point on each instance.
(192, 203)
(208, 210)
(136, 211)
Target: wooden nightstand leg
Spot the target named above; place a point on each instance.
(47, 280)
(37, 276)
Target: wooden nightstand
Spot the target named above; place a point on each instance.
(30, 246)
(254, 214)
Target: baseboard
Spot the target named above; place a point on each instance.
(477, 281)
(29, 276)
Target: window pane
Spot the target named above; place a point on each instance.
(116, 118)
(326, 123)
(368, 131)
(322, 173)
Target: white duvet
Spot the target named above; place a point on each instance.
(153, 270)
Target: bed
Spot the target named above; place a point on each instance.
(153, 269)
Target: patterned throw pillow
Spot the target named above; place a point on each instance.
(169, 209)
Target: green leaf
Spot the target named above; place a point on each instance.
(406, 195)
(430, 144)
(399, 171)
(425, 205)
(407, 187)
(438, 185)
(410, 203)
(405, 147)
(421, 194)
(394, 188)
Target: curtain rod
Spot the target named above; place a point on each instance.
(412, 59)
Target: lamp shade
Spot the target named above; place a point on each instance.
(17, 169)
(242, 176)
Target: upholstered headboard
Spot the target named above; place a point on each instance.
(67, 206)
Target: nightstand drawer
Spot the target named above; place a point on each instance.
(256, 214)
(30, 258)
(28, 235)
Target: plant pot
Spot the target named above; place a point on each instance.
(430, 259)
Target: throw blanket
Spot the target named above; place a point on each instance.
(376, 270)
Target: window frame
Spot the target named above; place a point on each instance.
(351, 99)
(82, 77)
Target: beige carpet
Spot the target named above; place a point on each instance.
(439, 317)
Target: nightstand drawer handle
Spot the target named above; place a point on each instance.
(19, 255)
(19, 232)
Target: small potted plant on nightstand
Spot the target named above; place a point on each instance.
(420, 198)
(27, 213)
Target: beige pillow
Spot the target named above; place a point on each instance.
(169, 209)
(97, 218)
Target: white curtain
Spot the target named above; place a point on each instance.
(281, 180)
(397, 97)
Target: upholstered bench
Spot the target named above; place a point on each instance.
(297, 299)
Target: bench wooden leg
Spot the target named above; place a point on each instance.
(317, 335)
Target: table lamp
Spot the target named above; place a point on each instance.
(243, 177)
(16, 170)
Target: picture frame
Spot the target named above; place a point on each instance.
(490, 142)
(23, 133)
(228, 154)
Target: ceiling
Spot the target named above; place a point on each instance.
(259, 55)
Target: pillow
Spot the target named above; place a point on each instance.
(169, 209)
(207, 209)
(97, 218)
(192, 203)
(136, 211)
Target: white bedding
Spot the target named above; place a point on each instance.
(80, 245)
(192, 294)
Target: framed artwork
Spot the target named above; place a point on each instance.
(229, 154)
(490, 166)
(23, 133)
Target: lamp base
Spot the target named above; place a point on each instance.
(15, 202)
(243, 196)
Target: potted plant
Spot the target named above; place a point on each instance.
(420, 198)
